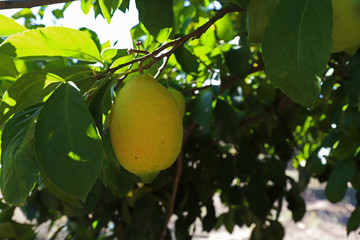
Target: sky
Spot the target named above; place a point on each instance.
(118, 30)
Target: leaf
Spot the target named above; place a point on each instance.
(257, 197)
(237, 60)
(187, 60)
(50, 42)
(157, 17)
(296, 202)
(259, 12)
(67, 143)
(224, 28)
(29, 89)
(86, 6)
(7, 66)
(9, 26)
(354, 220)
(108, 8)
(296, 47)
(201, 109)
(18, 165)
(337, 184)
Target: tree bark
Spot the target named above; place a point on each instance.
(8, 4)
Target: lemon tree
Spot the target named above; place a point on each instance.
(216, 99)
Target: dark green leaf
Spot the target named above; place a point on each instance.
(354, 220)
(237, 60)
(18, 165)
(187, 60)
(67, 141)
(201, 109)
(7, 66)
(296, 47)
(257, 197)
(259, 12)
(157, 17)
(337, 184)
(29, 89)
(296, 202)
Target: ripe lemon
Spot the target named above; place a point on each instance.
(179, 99)
(346, 21)
(145, 127)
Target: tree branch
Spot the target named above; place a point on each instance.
(169, 48)
(8, 4)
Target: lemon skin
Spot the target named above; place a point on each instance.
(146, 127)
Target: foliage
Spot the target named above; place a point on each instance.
(253, 110)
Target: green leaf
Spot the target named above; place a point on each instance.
(7, 66)
(187, 60)
(157, 17)
(18, 166)
(224, 28)
(296, 202)
(50, 42)
(337, 184)
(9, 26)
(86, 6)
(259, 12)
(29, 89)
(108, 8)
(201, 110)
(296, 47)
(354, 220)
(67, 143)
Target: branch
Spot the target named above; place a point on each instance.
(164, 51)
(8, 4)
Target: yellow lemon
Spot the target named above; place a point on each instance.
(346, 22)
(145, 127)
(179, 99)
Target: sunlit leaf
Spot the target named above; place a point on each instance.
(9, 26)
(29, 89)
(44, 43)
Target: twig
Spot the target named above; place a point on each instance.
(164, 51)
(8, 4)
(187, 134)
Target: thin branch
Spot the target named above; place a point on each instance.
(8, 4)
(169, 48)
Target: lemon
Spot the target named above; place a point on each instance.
(179, 98)
(145, 127)
(346, 21)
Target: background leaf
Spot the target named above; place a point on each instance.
(201, 110)
(67, 141)
(18, 165)
(43, 43)
(302, 30)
